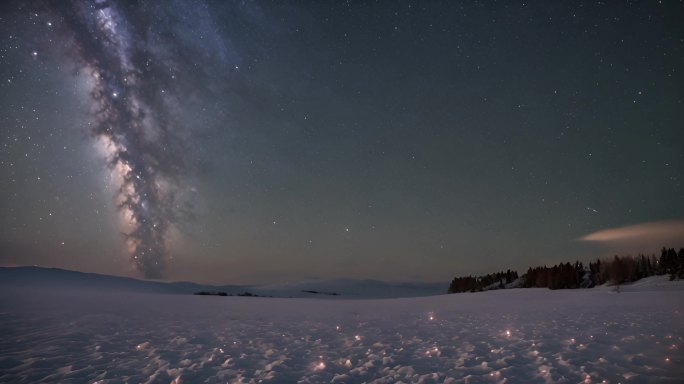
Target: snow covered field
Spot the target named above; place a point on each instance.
(512, 336)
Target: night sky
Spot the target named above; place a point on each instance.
(258, 142)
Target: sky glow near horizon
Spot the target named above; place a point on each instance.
(259, 142)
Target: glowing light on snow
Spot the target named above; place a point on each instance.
(393, 344)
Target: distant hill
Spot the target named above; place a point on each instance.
(354, 288)
(45, 278)
(49, 277)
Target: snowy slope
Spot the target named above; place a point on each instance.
(652, 283)
(512, 336)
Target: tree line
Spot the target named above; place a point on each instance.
(618, 270)
(497, 280)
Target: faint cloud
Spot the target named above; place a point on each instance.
(657, 233)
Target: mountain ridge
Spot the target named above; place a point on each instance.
(341, 288)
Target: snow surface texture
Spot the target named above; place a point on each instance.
(512, 336)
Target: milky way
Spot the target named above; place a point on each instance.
(381, 140)
(131, 123)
